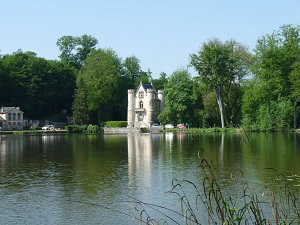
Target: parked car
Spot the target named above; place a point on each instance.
(169, 126)
(156, 125)
(48, 127)
(180, 126)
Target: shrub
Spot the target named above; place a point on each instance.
(116, 123)
(76, 129)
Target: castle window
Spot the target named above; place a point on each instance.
(141, 104)
(141, 94)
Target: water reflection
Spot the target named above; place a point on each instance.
(139, 159)
(169, 141)
(59, 179)
(11, 151)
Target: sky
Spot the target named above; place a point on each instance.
(160, 33)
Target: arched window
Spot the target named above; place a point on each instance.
(9, 116)
(14, 116)
(19, 116)
(141, 104)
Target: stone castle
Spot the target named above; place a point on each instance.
(144, 105)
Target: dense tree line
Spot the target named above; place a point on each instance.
(40, 87)
(259, 90)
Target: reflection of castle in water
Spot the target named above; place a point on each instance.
(140, 158)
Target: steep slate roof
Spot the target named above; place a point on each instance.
(148, 86)
(7, 109)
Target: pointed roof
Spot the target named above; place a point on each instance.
(146, 86)
(7, 109)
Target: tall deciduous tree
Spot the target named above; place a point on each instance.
(80, 104)
(275, 69)
(74, 50)
(102, 73)
(179, 102)
(220, 65)
(295, 87)
(160, 82)
(132, 69)
(291, 63)
(40, 87)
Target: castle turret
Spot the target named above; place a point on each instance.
(150, 101)
(131, 107)
(160, 95)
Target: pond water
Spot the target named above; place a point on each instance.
(102, 179)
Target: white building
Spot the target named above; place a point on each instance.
(144, 105)
(11, 118)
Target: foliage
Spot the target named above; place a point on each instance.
(80, 104)
(76, 129)
(106, 91)
(275, 74)
(90, 129)
(221, 67)
(160, 82)
(294, 78)
(74, 50)
(40, 87)
(179, 99)
(116, 123)
(278, 118)
(132, 70)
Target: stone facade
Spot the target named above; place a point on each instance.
(11, 118)
(144, 105)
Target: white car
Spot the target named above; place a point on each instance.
(48, 127)
(169, 126)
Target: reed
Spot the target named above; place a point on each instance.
(276, 202)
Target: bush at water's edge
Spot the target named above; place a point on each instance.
(91, 129)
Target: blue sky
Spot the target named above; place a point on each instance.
(161, 33)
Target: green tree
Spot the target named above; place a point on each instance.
(220, 65)
(102, 74)
(74, 50)
(39, 86)
(160, 82)
(179, 99)
(80, 104)
(295, 87)
(291, 63)
(132, 69)
(274, 69)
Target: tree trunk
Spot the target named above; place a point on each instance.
(220, 104)
(295, 116)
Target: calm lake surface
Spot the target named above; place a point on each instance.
(96, 179)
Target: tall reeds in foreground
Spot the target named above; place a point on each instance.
(276, 202)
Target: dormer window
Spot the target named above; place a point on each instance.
(141, 94)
